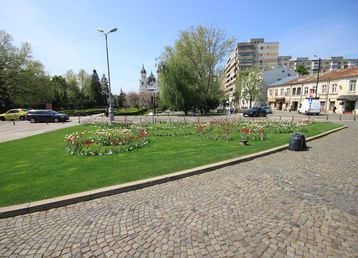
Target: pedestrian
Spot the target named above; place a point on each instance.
(334, 109)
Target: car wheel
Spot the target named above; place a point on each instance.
(22, 118)
(56, 120)
(2, 118)
(33, 120)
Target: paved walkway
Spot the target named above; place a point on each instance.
(289, 204)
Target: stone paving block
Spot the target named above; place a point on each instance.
(288, 204)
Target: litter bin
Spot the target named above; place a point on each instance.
(297, 142)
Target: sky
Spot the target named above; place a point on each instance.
(63, 34)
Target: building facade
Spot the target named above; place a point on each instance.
(335, 89)
(147, 84)
(255, 53)
(332, 63)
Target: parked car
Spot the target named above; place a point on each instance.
(255, 111)
(14, 114)
(46, 115)
(268, 109)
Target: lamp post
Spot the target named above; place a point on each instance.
(110, 111)
(319, 67)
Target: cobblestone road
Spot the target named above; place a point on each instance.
(289, 204)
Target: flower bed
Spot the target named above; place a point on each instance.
(218, 130)
(106, 141)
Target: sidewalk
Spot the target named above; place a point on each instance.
(288, 204)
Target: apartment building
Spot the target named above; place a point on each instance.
(335, 89)
(254, 53)
(332, 63)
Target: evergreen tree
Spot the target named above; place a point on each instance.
(96, 96)
(105, 90)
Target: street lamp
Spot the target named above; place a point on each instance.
(110, 111)
(319, 67)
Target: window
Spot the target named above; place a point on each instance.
(314, 90)
(305, 91)
(270, 92)
(288, 91)
(352, 85)
(324, 89)
(293, 91)
(276, 92)
(282, 92)
(299, 91)
(334, 88)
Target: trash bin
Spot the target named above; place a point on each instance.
(297, 142)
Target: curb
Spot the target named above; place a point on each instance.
(61, 201)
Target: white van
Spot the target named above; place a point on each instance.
(310, 106)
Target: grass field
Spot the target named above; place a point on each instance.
(38, 167)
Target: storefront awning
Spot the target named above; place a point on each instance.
(348, 97)
(279, 98)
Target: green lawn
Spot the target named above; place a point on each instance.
(38, 167)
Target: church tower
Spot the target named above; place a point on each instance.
(143, 80)
(147, 84)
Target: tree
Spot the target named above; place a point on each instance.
(61, 98)
(73, 91)
(198, 54)
(180, 83)
(146, 99)
(301, 70)
(132, 98)
(23, 81)
(96, 90)
(120, 100)
(33, 87)
(248, 84)
(105, 90)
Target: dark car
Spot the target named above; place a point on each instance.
(255, 111)
(268, 109)
(46, 115)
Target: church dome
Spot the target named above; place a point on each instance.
(151, 78)
(143, 70)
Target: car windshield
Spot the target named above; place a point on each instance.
(254, 109)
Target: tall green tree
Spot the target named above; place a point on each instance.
(105, 90)
(249, 83)
(301, 70)
(197, 53)
(180, 85)
(23, 81)
(96, 90)
(61, 98)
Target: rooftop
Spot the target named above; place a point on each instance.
(332, 75)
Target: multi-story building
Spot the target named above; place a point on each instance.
(255, 53)
(284, 62)
(330, 64)
(335, 89)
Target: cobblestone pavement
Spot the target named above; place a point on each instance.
(289, 204)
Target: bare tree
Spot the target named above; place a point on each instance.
(146, 99)
(132, 99)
